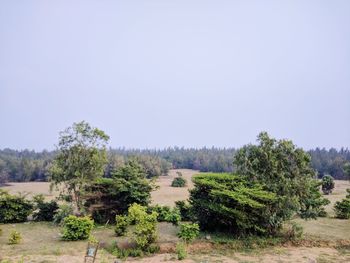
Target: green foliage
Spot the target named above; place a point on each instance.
(281, 168)
(15, 237)
(179, 182)
(14, 208)
(77, 228)
(188, 232)
(231, 203)
(185, 210)
(342, 208)
(121, 225)
(167, 214)
(136, 213)
(181, 251)
(327, 184)
(145, 232)
(312, 204)
(108, 197)
(45, 211)
(81, 159)
(63, 211)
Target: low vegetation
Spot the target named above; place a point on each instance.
(77, 228)
(179, 182)
(272, 188)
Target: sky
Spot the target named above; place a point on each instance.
(190, 73)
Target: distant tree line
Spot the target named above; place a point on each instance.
(330, 162)
(25, 165)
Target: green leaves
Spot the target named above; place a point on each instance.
(81, 159)
(77, 228)
(230, 203)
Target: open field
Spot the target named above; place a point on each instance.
(41, 241)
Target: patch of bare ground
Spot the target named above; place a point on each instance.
(166, 194)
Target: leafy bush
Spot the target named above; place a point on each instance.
(45, 210)
(166, 214)
(181, 251)
(121, 225)
(185, 210)
(77, 228)
(342, 208)
(285, 170)
(327, 184)
(108, 197)
(136, 213)
(145, 232)
(62, 212)
(232, 204)
(188, 232)
(14, 209)
(312, 205)
(15, 238)
(179, 182)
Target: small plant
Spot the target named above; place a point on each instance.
(45, 211)
(15, 237)
(188, 232)
(63, 212)
(342, 208)
(179, 182)
(173, 217)
(121, 225)
(181, 251)
(77, 228)
(0, 231)
(179, 174)
(327, 184)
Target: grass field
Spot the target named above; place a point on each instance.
(41, 241)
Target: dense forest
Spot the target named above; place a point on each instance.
(33, 166)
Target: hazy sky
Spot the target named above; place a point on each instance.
(164, 73)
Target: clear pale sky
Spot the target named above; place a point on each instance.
(163, 73)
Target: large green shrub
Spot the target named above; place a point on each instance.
(45, 211)
(107, 197)
(77, 228)
(188, 232)
(13, 208)
(327, 184)
(185, 210)
(231, 203)
(285, 170)
(342, 208)
(145, 230)
(179, 182)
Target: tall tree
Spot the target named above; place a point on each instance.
(81, 159)
(285, 170)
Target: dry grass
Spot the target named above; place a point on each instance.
(167, 195)
(30, 189)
